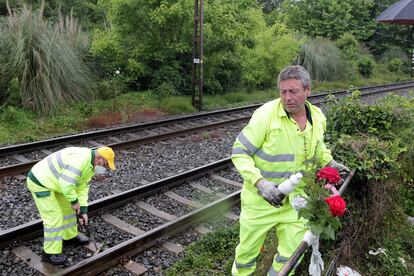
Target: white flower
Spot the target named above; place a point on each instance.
(117, 72)
(299, 203)
(403, 262)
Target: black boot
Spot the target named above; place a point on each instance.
(54, 259)
(79, 239)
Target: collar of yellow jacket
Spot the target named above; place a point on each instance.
(281, 112)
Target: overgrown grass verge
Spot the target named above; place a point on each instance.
(18, 125)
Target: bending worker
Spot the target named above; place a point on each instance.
(59, 185)
(281, 136)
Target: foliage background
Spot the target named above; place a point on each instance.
(246, 44)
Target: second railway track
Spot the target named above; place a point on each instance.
(19, 158)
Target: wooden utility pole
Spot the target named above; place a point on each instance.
(197, 62)
(412, 63)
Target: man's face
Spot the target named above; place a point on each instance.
(293, 95)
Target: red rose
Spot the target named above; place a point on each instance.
(337, 205)
(331, 175)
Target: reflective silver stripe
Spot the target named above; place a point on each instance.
(245, 142)
(251, 149)
(69, 179)
(272, 271)
(73, 170)
(69, 217)
(248, 265)
(57, 229)
(276, 174)
(283, 260)
(52, 230)
(69, 225)
(57, 238)
(275, 158)
(240, 151)
(52, 167)
(67, 166)
(280, 259)
(59, 159)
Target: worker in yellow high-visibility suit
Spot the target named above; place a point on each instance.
(59, 185)
(281, 135)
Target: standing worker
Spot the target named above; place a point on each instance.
(280, 138)
(59, 185)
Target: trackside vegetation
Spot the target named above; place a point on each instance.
(373, 139)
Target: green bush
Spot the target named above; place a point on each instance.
(395, 65)
(373, 158)
(353, 116)
(166, 89)
(261, 64)
(365, 66)
(348, 45)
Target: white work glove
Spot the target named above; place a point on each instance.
(269, 192)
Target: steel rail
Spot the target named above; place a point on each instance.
(114, 255)
(34, 228)
(24, 167)
(19, 148)
(300, 250)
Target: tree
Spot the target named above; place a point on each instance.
(331, 18)
(88, 12)
(151, 41)
(270, 5)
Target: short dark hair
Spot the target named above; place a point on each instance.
(295, 72)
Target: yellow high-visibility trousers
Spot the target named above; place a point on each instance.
(59, 219)
(256, 219)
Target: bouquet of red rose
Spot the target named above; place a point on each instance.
(324, 204)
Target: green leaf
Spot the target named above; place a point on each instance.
(316, 229)
(329, 232)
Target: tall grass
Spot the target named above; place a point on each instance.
(42, 60)
(321, 58)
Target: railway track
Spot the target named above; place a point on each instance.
(213, 201)
(20, 158)
(145, 198)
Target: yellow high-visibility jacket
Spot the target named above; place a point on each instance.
(67, 171)
(271, 146)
